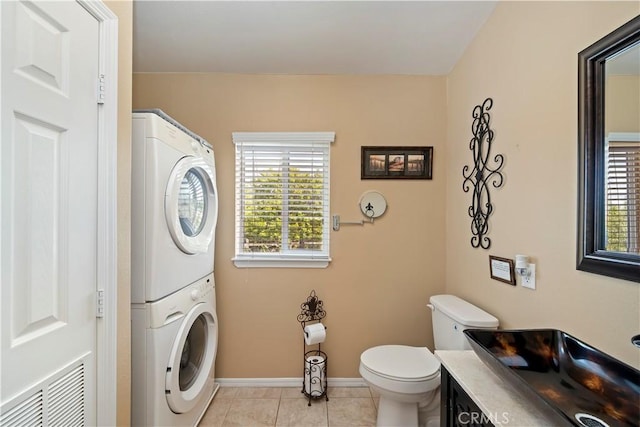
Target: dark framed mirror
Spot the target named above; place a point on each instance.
(609, 155)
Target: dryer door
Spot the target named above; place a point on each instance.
(192, 357)
(191, 205)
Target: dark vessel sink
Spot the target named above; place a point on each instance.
(569, 380)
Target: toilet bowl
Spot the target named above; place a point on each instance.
(405, 377)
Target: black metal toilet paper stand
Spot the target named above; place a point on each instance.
(314, 380)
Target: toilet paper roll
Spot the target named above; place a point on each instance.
(314, 334)
(314, 376)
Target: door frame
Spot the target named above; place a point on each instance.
(107, 237)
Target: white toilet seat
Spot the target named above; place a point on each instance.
(401, 370)
(401, 363)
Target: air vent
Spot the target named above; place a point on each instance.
(57, 401)
(27, 413)
(66, 400)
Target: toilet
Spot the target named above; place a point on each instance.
(408, 378)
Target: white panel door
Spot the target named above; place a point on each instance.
(49, 117)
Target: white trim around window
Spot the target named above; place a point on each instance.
(282, 199)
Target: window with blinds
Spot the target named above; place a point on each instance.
(623, 193)
(282, 199)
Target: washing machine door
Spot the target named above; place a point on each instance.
(192, 357)
(191, 205)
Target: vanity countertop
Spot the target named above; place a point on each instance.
(504, 405)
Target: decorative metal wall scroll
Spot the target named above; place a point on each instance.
(481, 174)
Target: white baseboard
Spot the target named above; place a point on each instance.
(286, 382)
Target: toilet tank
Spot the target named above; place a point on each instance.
(452, 315)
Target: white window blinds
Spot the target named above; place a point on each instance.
(282, 199)
(623, 195)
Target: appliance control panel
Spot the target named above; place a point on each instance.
(202, 288)
(173, 307)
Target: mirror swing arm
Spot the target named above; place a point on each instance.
(591, 255)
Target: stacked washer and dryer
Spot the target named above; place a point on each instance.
(174, 327)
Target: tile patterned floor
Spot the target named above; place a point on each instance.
(269, 406)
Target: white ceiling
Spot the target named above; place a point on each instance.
(304, 37)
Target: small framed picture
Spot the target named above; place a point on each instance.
(396, 162)
(502, 269)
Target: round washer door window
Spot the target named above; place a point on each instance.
(191, 205)
(191, 359)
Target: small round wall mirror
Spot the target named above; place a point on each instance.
(373, 204)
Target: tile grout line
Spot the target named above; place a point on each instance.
(275, 422)
(228, 409)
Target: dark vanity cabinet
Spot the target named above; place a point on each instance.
(456, 407)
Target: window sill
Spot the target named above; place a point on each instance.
(281, 262)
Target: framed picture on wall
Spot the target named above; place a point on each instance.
(396, 162)
(502, 269)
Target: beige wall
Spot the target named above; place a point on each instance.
(125, 36)
(525, 58)
(382, 274)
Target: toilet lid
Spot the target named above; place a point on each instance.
(401, 362)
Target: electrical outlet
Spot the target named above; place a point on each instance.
(530, 281)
